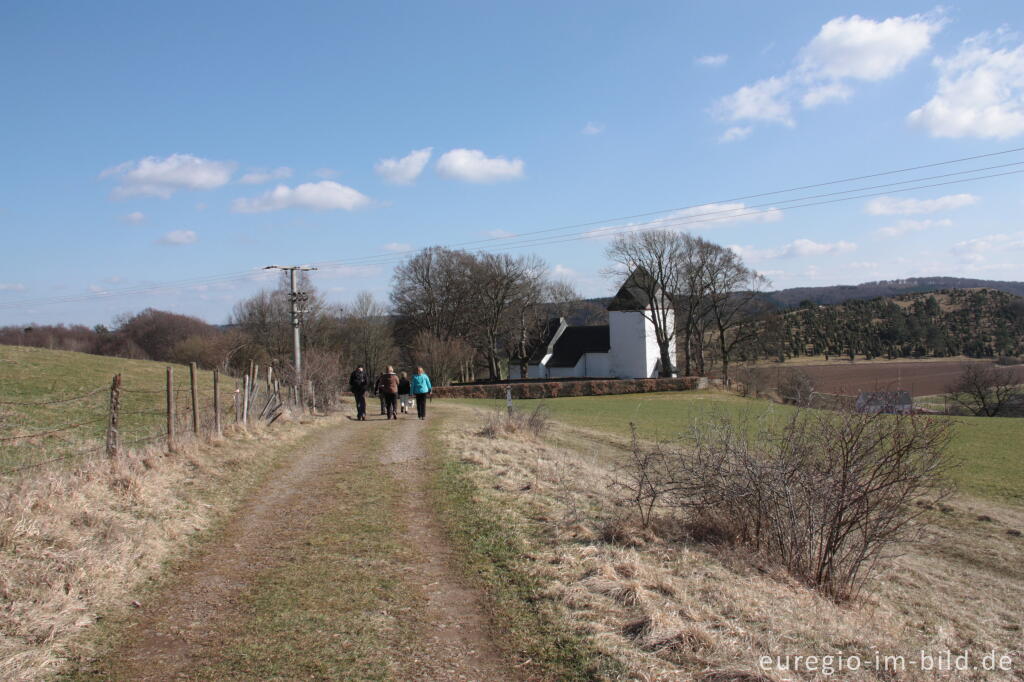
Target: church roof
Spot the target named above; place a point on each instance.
(575, 341)
(633, 292)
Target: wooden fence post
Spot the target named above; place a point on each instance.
(113, 420)
(170, 409)
(195, 397)
(216, 401)
(245, 402)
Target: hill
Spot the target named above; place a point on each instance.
(972, 322)
(887, 288)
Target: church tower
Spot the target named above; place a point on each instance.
(633, 344)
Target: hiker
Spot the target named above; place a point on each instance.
(378, 388)
(403, 393)
(421, 388)
(389, 389)
(358, 383)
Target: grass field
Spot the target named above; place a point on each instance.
(988, 450)
(29, 376)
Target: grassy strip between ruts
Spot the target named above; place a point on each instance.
(325, 607)
(495, 553)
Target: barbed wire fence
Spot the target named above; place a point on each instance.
(110, 420)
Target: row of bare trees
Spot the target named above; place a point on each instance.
(699, 293)
(452, 306)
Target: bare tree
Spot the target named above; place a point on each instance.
(987, 391)
(732, 292)
(435, 290)
(654, 262)
(503, 283)
(443, 359)
(368, 333)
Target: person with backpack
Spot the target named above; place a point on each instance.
(389, 389)
(421, 389)
(358, 382)
(404, 391)
(378, 389)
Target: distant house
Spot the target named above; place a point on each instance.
(625, 348)
(885, 402)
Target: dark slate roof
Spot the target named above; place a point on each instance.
(633, 293)
(575, 341)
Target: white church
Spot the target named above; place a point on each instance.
(625, 348)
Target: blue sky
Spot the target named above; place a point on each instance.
(147, 143)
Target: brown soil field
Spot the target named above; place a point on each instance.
(920, 377)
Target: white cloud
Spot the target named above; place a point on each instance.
(326, 173)
(904, 226)
(893, 206)
(593, 128)
(472, 165)
(797, 248)
(321, 196)
(563, 272)
(397, 247)
(976, 250)
(845, 49)
(735, 133)
(980, 92)
(863, 49)
(405, 170)
(179, 237)
(12, 286)
(156, 177)
(862, 265)
(712, 60)
(765, 100)
(135, 217)
(258, 177)
(715, 215)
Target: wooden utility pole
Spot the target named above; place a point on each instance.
(216, 401)
(170, 409)
(113, 420)
(195, 398)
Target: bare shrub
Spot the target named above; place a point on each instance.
(796, 387)
(750, 381)
(985, 390)
(506, 422)
(827, 496)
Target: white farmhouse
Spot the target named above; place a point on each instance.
(625, 348)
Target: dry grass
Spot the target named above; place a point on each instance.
(682, 610)
(74, 541)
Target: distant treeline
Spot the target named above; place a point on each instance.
(974, 322)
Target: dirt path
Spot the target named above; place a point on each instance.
(426, 624)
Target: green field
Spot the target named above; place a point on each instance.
(29, 376)
(989, 451)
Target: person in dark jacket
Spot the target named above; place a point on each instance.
(421, 389)
(378, 388)
(404, 390)
(358, 382)
(389, 389)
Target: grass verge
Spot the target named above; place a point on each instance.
(497, 557)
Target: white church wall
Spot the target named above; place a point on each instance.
(563, 372)
(595, 365)
(627, 335)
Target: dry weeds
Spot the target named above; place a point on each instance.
(74, 541)
(696, 610)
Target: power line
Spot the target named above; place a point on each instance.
(525, 239)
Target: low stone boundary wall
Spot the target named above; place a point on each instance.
(568, 389)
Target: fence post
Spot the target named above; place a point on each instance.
(195, 397)
(113, 420)
(216, 401)
(508, 399)
(170, 409)
(245, 402)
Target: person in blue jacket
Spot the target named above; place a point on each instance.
(421, 389)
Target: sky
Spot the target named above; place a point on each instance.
(174, 149)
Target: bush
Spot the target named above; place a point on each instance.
(505, 422)
(827, 496)
(796, 388)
